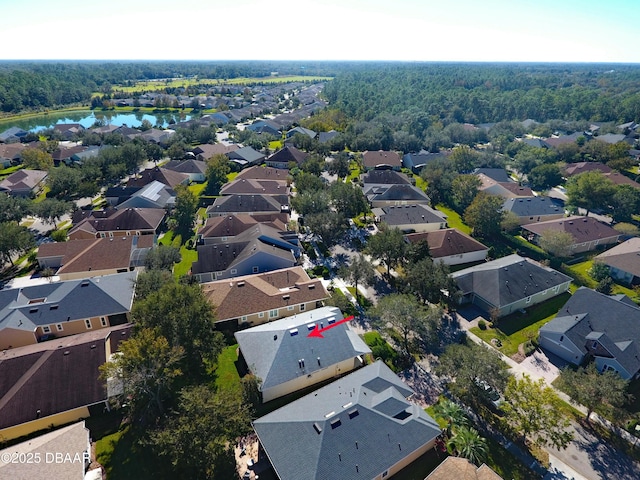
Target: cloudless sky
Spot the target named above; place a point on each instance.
(413, 30)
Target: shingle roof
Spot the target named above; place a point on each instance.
(263, 173)
(373, 159)
(385, 177)
(495, 174)
(246, 153)
(29, 307)
(152, 195)
(248, 204)
(583, 229)
(625, 257)
(250, 294)
(123, 219)
(508, 279)
(615, 321)
(532, 206)
(244, 186)
(391, 193)
(22, 179)
(187, 166)
(580, 167)
(446, 242)
(458, 468)
(343, 431)
(232, 225)
(288, 154)
(165, 176)
(53, 376)
(411, 215)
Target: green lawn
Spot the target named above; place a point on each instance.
(124, 459)
(226, 373)
(188, 257)
(453, 219)
(275, 145)
(519, 327)
(580, 272)
(197, 188)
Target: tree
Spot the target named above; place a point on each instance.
(599, 392)
(464, 159)
(556, 242)
(36, 159)
(360, 271)
(63, 181)
(605, 286)
(51, 209)
(163, 257)
(467, 364)
(467, 443)
(625, 203)
(148, 367)
(185, 318)
(545, 176)
(327, 225)
(198, 439)
(151, 281)
(464, 189)
(510, 222)
(452, 413)
(599, 271)
(307, 182)
(310, 202)
(589, 190)
(218, 167)
(14, 240)
(348, 199)
(185, 211)
(430, 281)
(388, 246)
(534, 409)
(485, 215)
(13, 209)
(439, 176)
(339, 165)
(415, 324)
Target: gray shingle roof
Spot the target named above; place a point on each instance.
(509, 279)
(625, 257)
(272, 351)
(411, 214)
(611, 320)
(532, 206)
(344, 430)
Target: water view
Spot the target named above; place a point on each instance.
(88, 118)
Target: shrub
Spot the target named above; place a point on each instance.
(528, 347)
(59, 235)
(482, 325)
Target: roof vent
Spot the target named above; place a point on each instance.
(66, 352)
(331, 320)
(53, 307)
(311, 326)
(85, 283)
(33, 310)
(293, 332)
(353, 413)
(240, 284)
(311, 287)
(335, 423)
(286, 297)
(317, 428)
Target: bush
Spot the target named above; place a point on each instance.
(528, 347)
(482, 325)
(59, 235)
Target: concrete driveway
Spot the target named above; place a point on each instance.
(543, 365)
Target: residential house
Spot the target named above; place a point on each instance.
(533, 209)
(504, 189)
(411, 218)
(250, 204)
(246, 156)
(594, 325)
(116, 195)
(56, 382)
(23, 183)
(587, 232)
(509, 284)
(196, 170)
(31, 314)
(152, 195)
(451, 246)
(324, 137)
(459, 468)
(381, 159)
(63, 454)
(360, 427)
(265, 126)
(285, 156)
(387, 195)
(94, 257)
(68, 130)
(116, 223)
(286, 358)
(157, 136)
(226, 228)
(243, 186)
(258, 298)
(264, 173)
(499, 175)
(623, 261)
(572, 169)
(257, 250)
(611, 138)
(13, 135)
(301, 131)
(377, 178)
(11, 154)
(167, 177)
(206, 151)
(65, 152)
(555, 142)
(80, 157)
(417, 161)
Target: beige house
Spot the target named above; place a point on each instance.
(286, 359)
(55, 383)
(458, 468)
(451, 246)
(118, 223)
(415, 218)
(265, 297)
(33, 314)
(94, 257)
(587, 232)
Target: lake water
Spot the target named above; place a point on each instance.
(88, 118)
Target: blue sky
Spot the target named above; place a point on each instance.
(412, 30)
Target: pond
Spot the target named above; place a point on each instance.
(88, 118)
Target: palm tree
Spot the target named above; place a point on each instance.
(467, 443)
(452, 413)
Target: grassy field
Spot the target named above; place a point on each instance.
(124, 459)
(159, 85)
(226, 373)
(454, 220)
(519, 327)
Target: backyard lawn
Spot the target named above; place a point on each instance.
(580, 272)
(519, 327)
(454, 220)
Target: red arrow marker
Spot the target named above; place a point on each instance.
(317, 332)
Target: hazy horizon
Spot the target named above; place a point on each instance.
(492, 31)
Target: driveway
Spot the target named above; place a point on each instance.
(543, 365)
